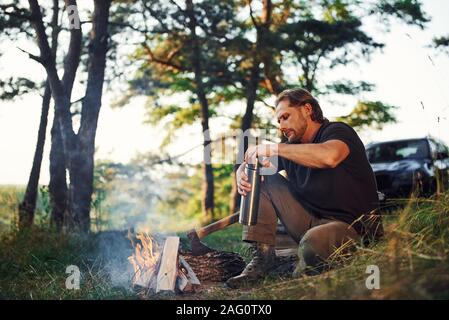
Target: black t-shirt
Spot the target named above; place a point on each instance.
(345, 193)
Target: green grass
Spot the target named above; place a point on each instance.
(33, 265)
(413, 260)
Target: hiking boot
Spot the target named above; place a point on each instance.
(263, 260)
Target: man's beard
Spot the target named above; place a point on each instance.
(297, 134)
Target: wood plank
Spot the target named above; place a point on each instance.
(182, 282)
(168, 269)
(190, 273)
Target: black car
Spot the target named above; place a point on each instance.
(412, 165)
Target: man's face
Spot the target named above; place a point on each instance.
(292, 120)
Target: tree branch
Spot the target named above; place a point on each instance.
(62, 104)
(266, 103)
(155, 16)
(126, 25)
(32, 56)
(177, 5)
(72, 58)
(251, 13)
(46, 57)
(78, 100)
(160, 61)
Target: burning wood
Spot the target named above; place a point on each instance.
(162, 271)
(144, 260)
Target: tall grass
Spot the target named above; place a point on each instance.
(11, 196)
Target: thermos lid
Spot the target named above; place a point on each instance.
(253, 166)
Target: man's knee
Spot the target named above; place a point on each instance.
(311, 253)
(320, 244)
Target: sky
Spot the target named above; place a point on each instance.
(407, 73)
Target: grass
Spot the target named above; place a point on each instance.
(33, 266)
(413, 259)
(10, 196)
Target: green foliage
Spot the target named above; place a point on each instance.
(370, 114)
(336, 10)
(349, 87)
(409, 11)
(13, 87)
(10, 197)
(13, 20)
(307, 35)
(442, 43)
(42, 215)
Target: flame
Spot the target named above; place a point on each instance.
(144, 259)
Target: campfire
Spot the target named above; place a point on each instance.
(162, 268)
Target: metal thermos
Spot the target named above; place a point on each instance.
(249, 205)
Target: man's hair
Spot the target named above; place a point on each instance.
(299, 96)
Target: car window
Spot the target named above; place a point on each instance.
(398, 150)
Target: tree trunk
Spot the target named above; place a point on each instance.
(81, 189)
(78, 148)
(208, 177)
(58, 178)
(28, 204)
(261, 54)
(251, 94)
(81, 170)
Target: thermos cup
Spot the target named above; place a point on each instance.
(249, 205)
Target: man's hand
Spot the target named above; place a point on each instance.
(261, 151)
(243, 186)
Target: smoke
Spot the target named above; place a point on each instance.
(113, 250)
(125, 203)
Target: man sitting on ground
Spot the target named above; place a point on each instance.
(329, 198)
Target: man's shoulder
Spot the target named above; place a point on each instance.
(331, 127)
(337, 124)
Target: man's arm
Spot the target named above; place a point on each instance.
(328, 154)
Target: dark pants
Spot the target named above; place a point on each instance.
(318, 238)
